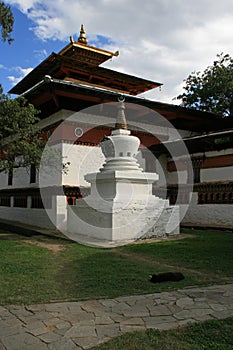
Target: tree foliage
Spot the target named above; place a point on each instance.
(211, 90)
(6, 22)
(20, 142)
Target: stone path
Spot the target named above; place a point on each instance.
(82, 325)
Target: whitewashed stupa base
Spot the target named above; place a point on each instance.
(120, 210)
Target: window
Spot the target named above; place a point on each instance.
(196, 163)
(32, 174)
(36, 202)
(196, 174)
(10, 177)
(20, 201)
(5, 201)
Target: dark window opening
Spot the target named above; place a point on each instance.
(5, 201)
(10, 178)
(196, 174)
(20, 201)
(36, 202)
(33, 174)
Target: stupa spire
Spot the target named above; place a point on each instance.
(121, 119)
(82, 37)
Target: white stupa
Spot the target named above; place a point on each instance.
(121, 207)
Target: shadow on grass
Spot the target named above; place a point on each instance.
(31, 272)
(206, 258)
(97, 273)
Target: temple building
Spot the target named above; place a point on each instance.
(192, 151)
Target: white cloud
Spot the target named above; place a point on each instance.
(21, 72)
(14, 80)
(161, 40)
(40, 54)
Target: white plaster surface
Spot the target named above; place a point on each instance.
(215, 215)
(56, 217)
(21, 179)
(50, 172)
(29, 216)
(217, 174)
(83, 160)
(179, 177)
(124, 224)
(3, 180)
(161, 169)
(58, 213)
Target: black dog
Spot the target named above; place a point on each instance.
(166, 277)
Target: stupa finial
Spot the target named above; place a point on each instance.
(82, 37)
(121, 119)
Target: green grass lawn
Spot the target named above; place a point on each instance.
(210, 335)
(31, 273)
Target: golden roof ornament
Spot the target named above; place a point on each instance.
(121, 119)
(82, 37)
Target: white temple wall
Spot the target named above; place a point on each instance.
(211, 210)
(83, 160)
(50, 172)
(211, 174)
(179, 177)
(58, 213)
(29, 216)
(3, 179)
(217, 174)
(56, 217)
(161, 170)
(21, 178)
(206, 175)
(212, 215)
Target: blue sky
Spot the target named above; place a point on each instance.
(25, 53)
(163, 40)
(28, 50)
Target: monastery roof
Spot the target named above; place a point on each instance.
(80, 63)
(86, 53)
(82, 52)
(62, 67)
(51, 95)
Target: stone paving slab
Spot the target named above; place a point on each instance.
(83, 325)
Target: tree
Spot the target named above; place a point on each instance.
(20, 142)
(6, 22)
(6, 25)
(211, 90)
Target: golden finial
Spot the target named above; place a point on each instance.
(121, 119)
(82, 37)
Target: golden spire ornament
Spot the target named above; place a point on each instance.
(82, 37)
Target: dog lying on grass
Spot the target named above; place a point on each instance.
(166, 277)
